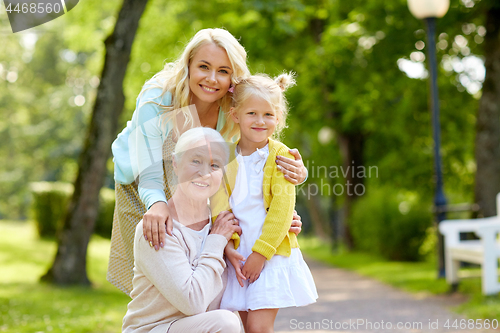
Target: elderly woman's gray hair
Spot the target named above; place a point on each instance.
(200, 136)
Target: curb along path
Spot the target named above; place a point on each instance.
(349, 302)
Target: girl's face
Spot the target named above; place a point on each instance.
(209, 74)
(256, 118)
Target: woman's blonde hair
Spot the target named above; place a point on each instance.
(174, 78)
(270, 90)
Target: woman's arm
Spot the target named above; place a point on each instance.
(146, 143)
(146, 154)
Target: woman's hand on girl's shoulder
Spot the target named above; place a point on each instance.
(293, 169)
(156, 222)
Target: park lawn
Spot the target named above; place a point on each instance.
(26, 305)
(29, 306)
(414, 277)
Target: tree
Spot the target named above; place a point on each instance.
(487, 151)
(69, 265)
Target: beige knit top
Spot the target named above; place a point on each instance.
(179, 280)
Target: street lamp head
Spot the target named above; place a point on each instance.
(428, 8)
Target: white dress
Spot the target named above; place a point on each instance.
(284, 281)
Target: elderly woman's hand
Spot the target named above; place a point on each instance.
(226, 225)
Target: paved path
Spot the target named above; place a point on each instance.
(349, 302)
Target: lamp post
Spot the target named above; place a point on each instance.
(429, 11)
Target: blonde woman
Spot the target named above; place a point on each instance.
(193, 91)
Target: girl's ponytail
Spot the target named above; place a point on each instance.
(285, 80)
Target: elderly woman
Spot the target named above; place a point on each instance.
(179, 287)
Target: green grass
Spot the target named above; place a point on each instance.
(26, 305)
(415, 277)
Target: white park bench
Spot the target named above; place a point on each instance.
(485, 251)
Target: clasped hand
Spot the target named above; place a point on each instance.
(246, 269)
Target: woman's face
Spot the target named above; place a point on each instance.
(199, 171)
(209, 74)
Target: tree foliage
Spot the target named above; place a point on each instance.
(352, 99)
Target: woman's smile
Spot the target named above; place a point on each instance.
(201, 184)
(208, 89)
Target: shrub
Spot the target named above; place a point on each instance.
(104, 222)
(50, 200)
(390, 224)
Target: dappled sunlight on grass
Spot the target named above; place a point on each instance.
(29, 306)
(417, 277)
(24, 257)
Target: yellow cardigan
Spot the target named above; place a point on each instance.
(279, 202)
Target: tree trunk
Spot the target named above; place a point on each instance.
(318, 218)
(487, 182)
(351, 147)
(69, 265)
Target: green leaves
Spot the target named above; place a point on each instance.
(345, 54)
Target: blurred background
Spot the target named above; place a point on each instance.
(359, 115)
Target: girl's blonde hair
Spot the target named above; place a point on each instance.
(271, 90)
(174, 78)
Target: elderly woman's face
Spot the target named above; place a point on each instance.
(199, 170)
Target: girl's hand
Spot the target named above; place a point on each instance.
(294, 170)
(235, 259)
(296, 227)
(253, 266)
(156, 221)
(226, 225)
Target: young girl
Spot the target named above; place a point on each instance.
(267, 272)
